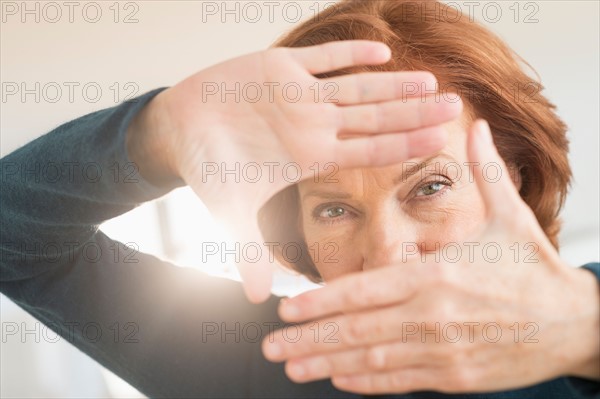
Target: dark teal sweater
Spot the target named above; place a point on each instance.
(148, 321)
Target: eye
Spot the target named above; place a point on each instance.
(433, 187)
(330, 213)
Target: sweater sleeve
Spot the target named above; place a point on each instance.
(167, 330)
(583, 388)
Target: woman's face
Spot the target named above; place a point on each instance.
(374, 217)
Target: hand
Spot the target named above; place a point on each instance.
(283, 135)
(467, 326)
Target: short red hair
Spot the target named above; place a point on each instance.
(469, 59)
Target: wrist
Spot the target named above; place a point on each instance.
(587, 332)
(149, 145)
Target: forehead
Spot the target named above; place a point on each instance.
(455, 150)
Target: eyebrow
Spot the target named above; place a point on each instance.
(417, 167)
(328, 194)
(406, 173)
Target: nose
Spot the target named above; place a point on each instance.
(389, 240)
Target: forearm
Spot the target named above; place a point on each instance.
(145, 319)
(57, 189)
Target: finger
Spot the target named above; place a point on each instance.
(397, 115)
(391, 148)
(372, 328)
(314, 368)
(336, 55)
(397, 381)
(495, 185)
(352, 292)
(362, 360)
(255, 271)
(412, 348)
(338, 333)
(370, 87)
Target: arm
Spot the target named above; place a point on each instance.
(148, 312)
(169, 331)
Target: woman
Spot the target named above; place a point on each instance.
(173, 332)
(446, 210)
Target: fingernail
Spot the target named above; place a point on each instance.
(484, 132)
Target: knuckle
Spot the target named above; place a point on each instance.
(378, 358)
(378, 118)
(396, 380)
(332, 364)
(355, 293)
(354, 332)
(371, 295)
(446, 312)
(349, 298)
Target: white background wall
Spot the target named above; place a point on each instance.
(170, 41)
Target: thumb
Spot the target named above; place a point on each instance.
(492, 177)
(502, 201)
